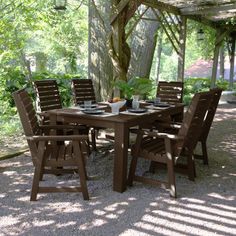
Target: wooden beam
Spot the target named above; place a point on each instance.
(222, 36)
(135, 23)
(207, 10)
(166, 32)
(162, 6)
(169, 27)
(119, 8)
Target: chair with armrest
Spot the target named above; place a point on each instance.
(82, 90)
(173, 127)
(47, 95)
(170, 92)
(48, 98)
(207, 124)
(169, 148)
(51, 154)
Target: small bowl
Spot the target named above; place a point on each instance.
(115, 106)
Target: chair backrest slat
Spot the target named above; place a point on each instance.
(47, 95)
(26, 112)
(193, 122)
(171, 92)
(211, 112)
(83, 90)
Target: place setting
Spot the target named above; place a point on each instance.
(156, 103)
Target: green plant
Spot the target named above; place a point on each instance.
(135, 86)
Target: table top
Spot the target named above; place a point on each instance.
(152, 114)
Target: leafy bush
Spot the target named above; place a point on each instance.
(194, 85)
(135, 86)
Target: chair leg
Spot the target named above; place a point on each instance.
(170, 169)
(132, 170)
(82, 170)
(204, 152)
(93, 136)
(191, 167)
(171, 177)
(38, 172)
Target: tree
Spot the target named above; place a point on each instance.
(100, 64)
(143, 43)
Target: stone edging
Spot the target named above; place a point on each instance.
(14, 154)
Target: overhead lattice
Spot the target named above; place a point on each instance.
(214, 12)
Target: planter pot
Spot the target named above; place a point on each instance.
(129, 103)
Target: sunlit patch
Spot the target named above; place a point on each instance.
(99, 212)
(112, 216)
(9, 173)
(216, 195)
(8, 221)
(194, 200)
(115, 205)
(120, 212)
(215, 175)
(43, 222)
(2, 195)
(154, 204)
(132, 198)
(91, 225)
(70, 223)
(232, 174)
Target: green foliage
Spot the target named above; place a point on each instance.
(135, 86)
(194, 85)
(10, 125)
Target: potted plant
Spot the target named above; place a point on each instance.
(135, 86)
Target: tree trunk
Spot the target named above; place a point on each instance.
(99, 64)
(142, 46)
(41, 61)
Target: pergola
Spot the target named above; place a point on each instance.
(173, 15)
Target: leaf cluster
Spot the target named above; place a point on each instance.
(135, 86)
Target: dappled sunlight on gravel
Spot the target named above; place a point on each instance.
(204, 207)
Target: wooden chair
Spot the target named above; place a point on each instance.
(171, 92)
(47, 95)
(173, 127)
(207, 124)
(82, 90)
(169, 148)
(48, 156)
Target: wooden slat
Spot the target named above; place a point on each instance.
(59, 189)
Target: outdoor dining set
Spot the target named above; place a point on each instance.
(60, 139)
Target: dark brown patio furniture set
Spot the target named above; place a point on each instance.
(59, 143)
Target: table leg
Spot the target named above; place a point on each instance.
(121, 156)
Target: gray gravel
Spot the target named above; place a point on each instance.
(204, 207)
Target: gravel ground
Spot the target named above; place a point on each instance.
(204, 207)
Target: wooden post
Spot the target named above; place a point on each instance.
(182, 43)
(232, 56)
(215, 60)
(222, 61)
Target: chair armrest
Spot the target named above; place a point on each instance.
(58, 138)
(162, 135)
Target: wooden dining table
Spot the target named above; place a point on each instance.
(120, 123)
